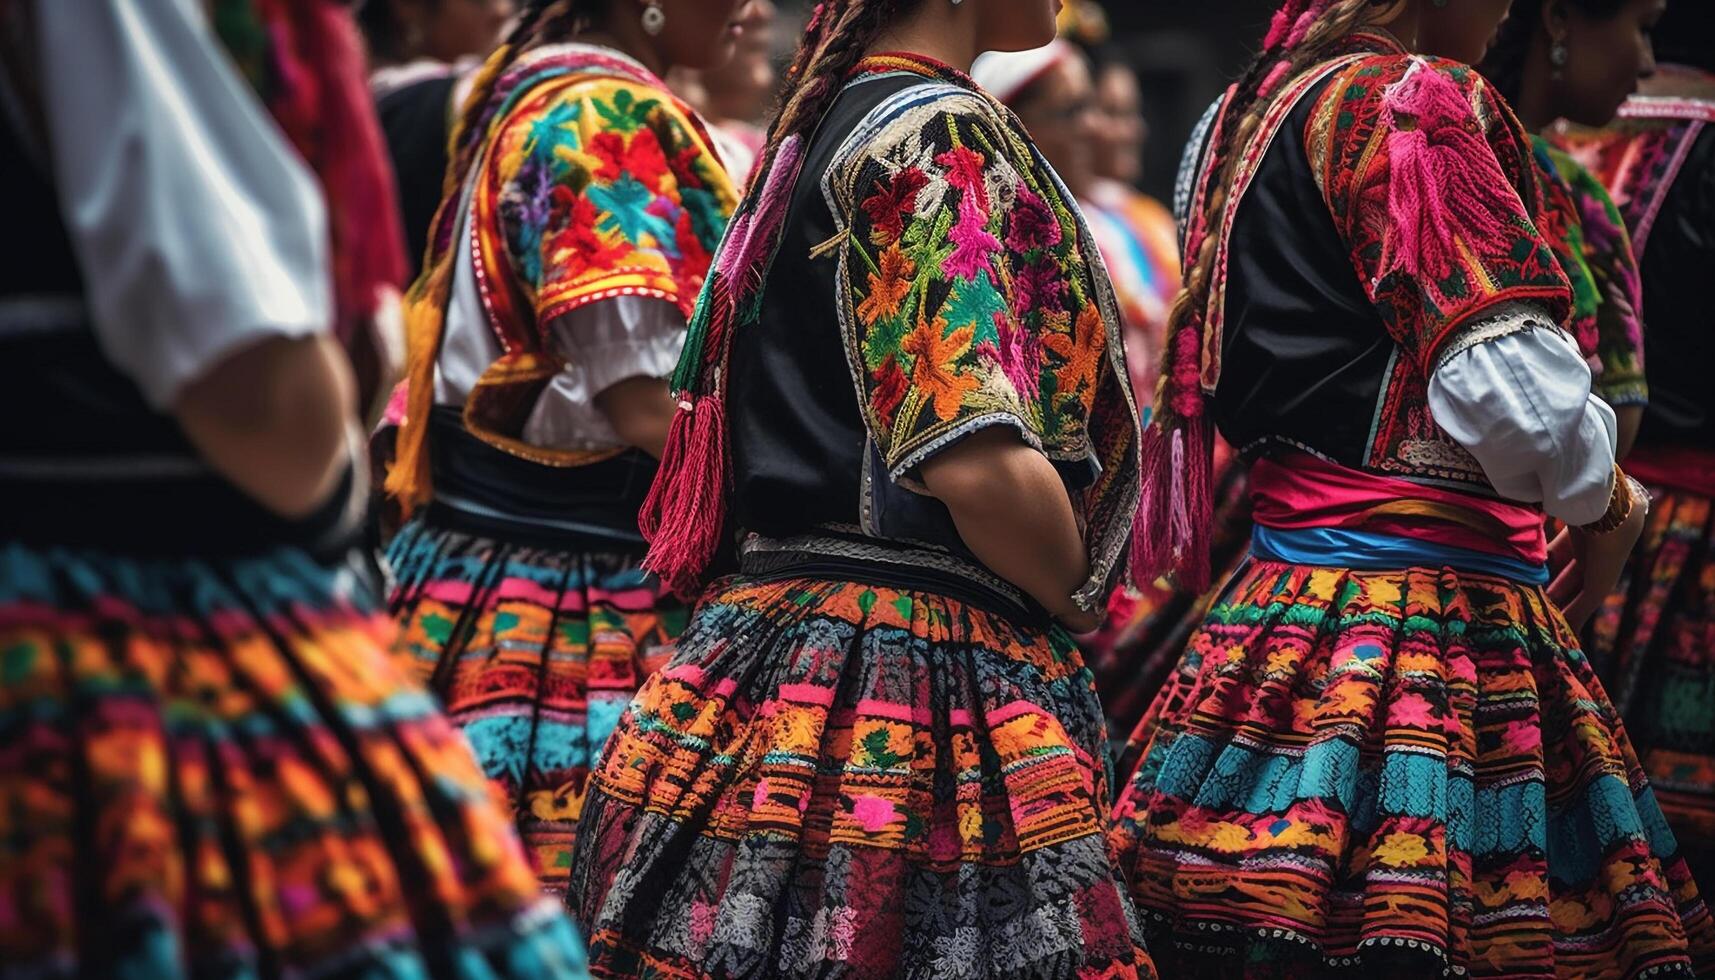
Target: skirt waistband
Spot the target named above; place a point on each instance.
(1369, 551)
(835, 554)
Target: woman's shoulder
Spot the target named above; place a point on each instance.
(931, 115)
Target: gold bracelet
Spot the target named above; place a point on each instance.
(1620, 504)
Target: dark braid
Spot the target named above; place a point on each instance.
(1503, 66)
(839, 33)
(1173, 527)
(686, 510)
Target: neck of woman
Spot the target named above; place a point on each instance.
(943, 31)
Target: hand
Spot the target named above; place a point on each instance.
(1591, 564)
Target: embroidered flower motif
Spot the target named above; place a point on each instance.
(1081, 354)
(1033, 226)
(889, 393)
(935, 368)
(892, 201)
(873, 813)
(888, 286)
(972, 243)
(977, 304)
(1038, 286)
(1020, 356)
(577, 247)
(965, 172)
(627, 206)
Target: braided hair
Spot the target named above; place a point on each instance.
(1172, 530)
(1503, 66)
(685, 514)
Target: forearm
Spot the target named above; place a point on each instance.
(1628, 419)
(276, 418)
(640, 411)
(1012, 511)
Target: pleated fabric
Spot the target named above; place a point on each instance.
(840, 780)
(216, 769)
(1410, 770)
(1653, 645)
(534, 652)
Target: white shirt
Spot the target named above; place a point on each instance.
(1520, 403)
(198, 228)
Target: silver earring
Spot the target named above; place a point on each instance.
(1558, 56)
(654, 19)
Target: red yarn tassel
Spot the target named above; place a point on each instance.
(1174, 524)
(1443, 179)
(683, 515)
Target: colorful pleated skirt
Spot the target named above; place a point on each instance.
(839, 779)
(1413, 771)
(534, 650)
(1653, 644)
(215, 768)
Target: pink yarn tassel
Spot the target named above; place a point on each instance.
(1444, 183)
(1175, 514)
(685, 511)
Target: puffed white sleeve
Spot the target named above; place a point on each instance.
(1517, 396)
(198, 228)
(602, 344)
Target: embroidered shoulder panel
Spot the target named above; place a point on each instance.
(973, 295)
(1638, 157)
(1590, 240)
(1430, 181)
(594, 186)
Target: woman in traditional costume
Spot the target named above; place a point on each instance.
(1653, 642)
(1382, 749)
(876, 753)
(584, 204)
(423, 55)
(210, 763)
(1532, 67)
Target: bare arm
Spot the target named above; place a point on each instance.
(640, 411)
(1012, 511)
(1628, 418)
(276, 418)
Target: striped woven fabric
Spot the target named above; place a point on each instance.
(214, 768)
(534, 653)
(1410, 769)
(837, 779)
(1653, 644)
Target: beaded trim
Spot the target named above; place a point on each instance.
(1508, 318)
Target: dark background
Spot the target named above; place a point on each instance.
(1185, 52)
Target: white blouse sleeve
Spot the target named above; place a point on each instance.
(1519, 401)
(602, 344)
(198, 229)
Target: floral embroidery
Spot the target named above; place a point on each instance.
(975, 326)
(1595, 251)
(1496, 252)
(595, 186)
(974, 296)
(935, 356)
